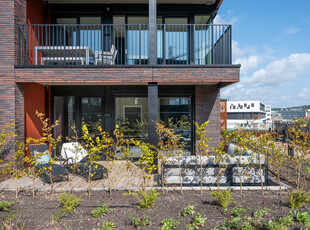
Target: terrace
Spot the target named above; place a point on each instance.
(98, 45)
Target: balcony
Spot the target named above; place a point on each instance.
(51, 45)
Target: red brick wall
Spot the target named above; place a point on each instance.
(34, 99)
(207, 108)
(223, 114)
(35, 12)
(131, 75)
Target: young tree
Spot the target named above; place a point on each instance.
(146, 161)
(202, 146)
(300, 142)
(169, 145)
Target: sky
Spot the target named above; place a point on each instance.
(271, 41)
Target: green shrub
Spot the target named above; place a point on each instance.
(5, 205)
(69, 202)
(198, 221)
(298, 199)
(144, 221)
(100, 211)
(302, 217)
(281, 224)
(146, 199)
(169, 224)
(188, 210)
(222, 197)
(106, 225)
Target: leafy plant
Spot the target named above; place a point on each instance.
(169, 224)
(106, 225)
(146, 199)
(198, 221)
(203, 147)
(68, 203)
(5, 205)
(144, 221)
(222, 197)
(298, 199)
(188, 210)
(302, 217)
(281, 224)
(10, 221)
(100, 211)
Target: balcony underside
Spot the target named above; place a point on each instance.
(213, 75)
(208, 2)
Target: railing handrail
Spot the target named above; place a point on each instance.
(228, 25)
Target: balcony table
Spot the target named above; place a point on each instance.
(64, 53)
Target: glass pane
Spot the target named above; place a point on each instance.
(91, 114)
(203, 44)
(131, 116)
(137, 40)
(64, 113)
(202, 19)
(176, 113)
(65, 34)
(175, 34)
(91, 33)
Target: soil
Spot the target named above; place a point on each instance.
(36, 212)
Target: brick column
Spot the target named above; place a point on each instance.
(207, 108)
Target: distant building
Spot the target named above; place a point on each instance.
(292, 114)
(249, 115)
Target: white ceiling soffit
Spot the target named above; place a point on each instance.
(207, 2)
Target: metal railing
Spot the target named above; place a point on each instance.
(102, 45)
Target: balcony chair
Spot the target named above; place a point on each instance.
(106, 58)
(57, 172)
(75, 157)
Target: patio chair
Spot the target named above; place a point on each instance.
(58, 172)
(104, 57)
(75, 155)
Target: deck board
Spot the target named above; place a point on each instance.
(117, 175)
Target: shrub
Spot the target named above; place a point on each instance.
(169, 224)
(100, 211)
(146, 199)
(222, 197)
(69, 202)
(281, 224)
(4, 205)
(298, 198)
(106, 225)
(188, 210)
(144, 221)
(198, 221)
(302, 217)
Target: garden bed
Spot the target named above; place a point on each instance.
(36, 212)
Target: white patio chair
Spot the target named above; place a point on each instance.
(104, 57)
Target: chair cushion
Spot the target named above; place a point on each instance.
(44, 158)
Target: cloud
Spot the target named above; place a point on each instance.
(290, 31)
(220, 20)
(277, 82)
(250, 57)
(305, 93)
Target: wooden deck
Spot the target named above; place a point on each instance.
(119, 178)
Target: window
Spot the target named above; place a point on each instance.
(91, 114)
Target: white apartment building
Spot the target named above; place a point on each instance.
(253, 115)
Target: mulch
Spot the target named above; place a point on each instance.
(36, 212)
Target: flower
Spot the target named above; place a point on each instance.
(200, 225)
(268, 217)
(111, 198)
(103, 198)
(229, 219)
(263, 203)
(243, 219)
(118, 210)
(141, 219)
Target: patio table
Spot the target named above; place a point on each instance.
(64, 53)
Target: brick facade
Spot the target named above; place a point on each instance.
(207, 108)
(13, 78)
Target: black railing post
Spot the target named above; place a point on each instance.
(152, 33)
